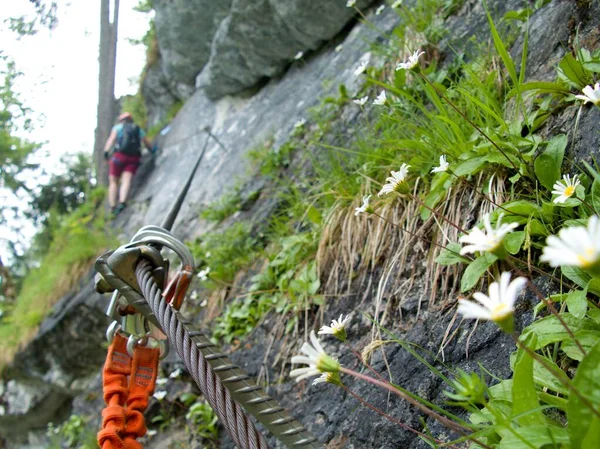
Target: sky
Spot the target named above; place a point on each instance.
(60, 74)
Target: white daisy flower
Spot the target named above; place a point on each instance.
(160, 395)
(151, 432)
(488, 239)
(443, 165)
(176, 374)
(351, 3)
(412, 62)
(299, 55)
(300, 123)
(360, 210)
(379, 10)
(395, 181)
(339, 48)
(574, 246)
(162, 381)
(361, 101)
(361, 68)
(331, 378)
(338, 327)
(565, 188)
(203, 274)
(315, 357)
(381, 98)
(498, 306)
(397, 4)
(590, 95)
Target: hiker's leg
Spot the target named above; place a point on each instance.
(125, 186)
(113, 187)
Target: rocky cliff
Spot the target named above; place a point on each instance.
(239, 44)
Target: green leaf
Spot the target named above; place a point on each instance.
(533, 437)
(517, 211)
(513, 241)
(577, 275)
(525, 398)
(470, 166)
(475, 271)
(540, 88)
(547, 165)
(451, 255)
(502, 390)
(501, 49)
(550, 330)
(314, 215)
(587, 339)
(577, 303)
(547, 380)
(584, 424)
(595, 195)
(573, 72)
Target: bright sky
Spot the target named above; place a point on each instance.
(60, 81)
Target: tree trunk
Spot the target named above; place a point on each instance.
(106, 85)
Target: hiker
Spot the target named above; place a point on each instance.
(126, 137)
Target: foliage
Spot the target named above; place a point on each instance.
(44, 16)
(487, 123)
(79, 238)
(226, 252)
(223, 208)
(72, 434)
(287, 284)
(203, 422)
(14, 151)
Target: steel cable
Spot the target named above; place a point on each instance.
(223, 384)
(230, 413)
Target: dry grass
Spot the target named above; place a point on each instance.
(388, 263)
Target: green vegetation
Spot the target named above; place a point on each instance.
(77, 239)
(72, 434)
(473, 144)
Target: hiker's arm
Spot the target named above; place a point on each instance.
(147, 143)
(111, 141)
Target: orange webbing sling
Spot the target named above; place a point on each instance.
(123, 419)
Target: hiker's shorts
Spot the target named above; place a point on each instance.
(120, 162)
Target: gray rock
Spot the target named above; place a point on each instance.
(185, 30)
(57, 365)
(259, 38)
(159, 95)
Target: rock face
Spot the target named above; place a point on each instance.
(56, 366)
(227, 46)
(184, 31)
(159, 93)
(259, 38)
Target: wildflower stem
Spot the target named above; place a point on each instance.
(389, 387)
(418, 236)
(433, 211)
(463, 115)
(394, 420)
(550, 306)
(380, 377)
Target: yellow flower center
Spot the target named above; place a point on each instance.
(587, 259)
(500, 311)
(570, 190)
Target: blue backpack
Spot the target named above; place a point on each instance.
(130, 140)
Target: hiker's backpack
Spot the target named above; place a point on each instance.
(129, 141)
